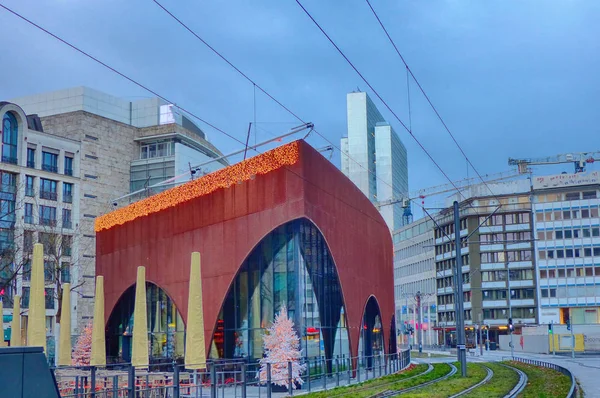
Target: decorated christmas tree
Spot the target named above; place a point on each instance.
(281, 346)
(83, 347)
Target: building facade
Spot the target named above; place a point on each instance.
(282, 228)
(415, 281)
(498, 263)
(116, 147)
(376, 159)
(567, 227)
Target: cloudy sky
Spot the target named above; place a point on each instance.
(510, 78)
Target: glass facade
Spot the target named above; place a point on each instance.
(165, 327)
(291, 266)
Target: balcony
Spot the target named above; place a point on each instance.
(68, 171)
(31, 164)
(48, 195)
(49, 167)
(48, 221)
(8, 159)
(67, 198)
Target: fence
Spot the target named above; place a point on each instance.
(229, 379)
(572, 392)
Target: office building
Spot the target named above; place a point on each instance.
(103, 148)
(376, 159)
(567, 227)
(498, 263)
(414, 276)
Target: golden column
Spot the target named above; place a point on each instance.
(139, 355)
(98, 356)
(64, 339)
(36, 323)
(195, 349)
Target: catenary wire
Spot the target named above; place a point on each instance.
(427, 97)
(256, 85)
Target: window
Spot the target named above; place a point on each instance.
(542, 254)
(559, 234)
(66, 219)
(48, 189)
(560, 253)
(543, 274)
(585, 213)
(586, 233)
(66, 245)
(523, 218)
(49, 242)
(67, 192)
(29, 183)
(569, 253)
(589, 195)
(68, 166)
(544, 293)
(575, 214)
(50, 161)
(511, 219)
(568, 234)
(28, 241)
(31, 157)
(47, 215)
(29, 213)
(566, 214)
(576, 233)
(10, 137)
(49, 269)
(572, 196)
(587, 252)
(49, 292)
(595, 232)
(157, 150)
(27, 270)
(65, 272)
(9, 182)
(594, 212)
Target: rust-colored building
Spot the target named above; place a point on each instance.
(282, 228)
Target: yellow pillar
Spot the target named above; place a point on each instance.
(36, 323)
(98, 355)
(64, 339)
(195, 349)
(139, 355)
(15, 326)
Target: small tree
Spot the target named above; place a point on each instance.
(282, 346)
(83, 347)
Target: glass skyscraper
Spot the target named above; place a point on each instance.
(376, 159)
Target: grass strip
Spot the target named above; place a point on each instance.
(503, 381)
(417, 354)
(543, 382)
(454, 384)
(395, 381)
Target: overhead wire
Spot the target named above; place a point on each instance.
(286, 108)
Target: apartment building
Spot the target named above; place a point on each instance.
(567, 226)
(498, 262)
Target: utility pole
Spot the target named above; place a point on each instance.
(510, 321)
(461, 352)
(419, 326)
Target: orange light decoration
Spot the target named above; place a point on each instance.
(243, 171)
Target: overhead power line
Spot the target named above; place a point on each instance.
(377, 94)
(256, 85)
(427, 97)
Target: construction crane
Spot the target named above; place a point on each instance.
(444, 188)
(579, 160)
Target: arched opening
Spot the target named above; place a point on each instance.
(165, 327)
(10, 138)
(291, 266)
(371, 334)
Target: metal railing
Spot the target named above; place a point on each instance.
(572, 392)
(9, 159)
(68, 171)
(67, 198)
(48, 195)
(233, 378)
(49, 167)
(31, 164)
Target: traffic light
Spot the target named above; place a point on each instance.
(568, 324)
(550, 331)
(511, 327)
